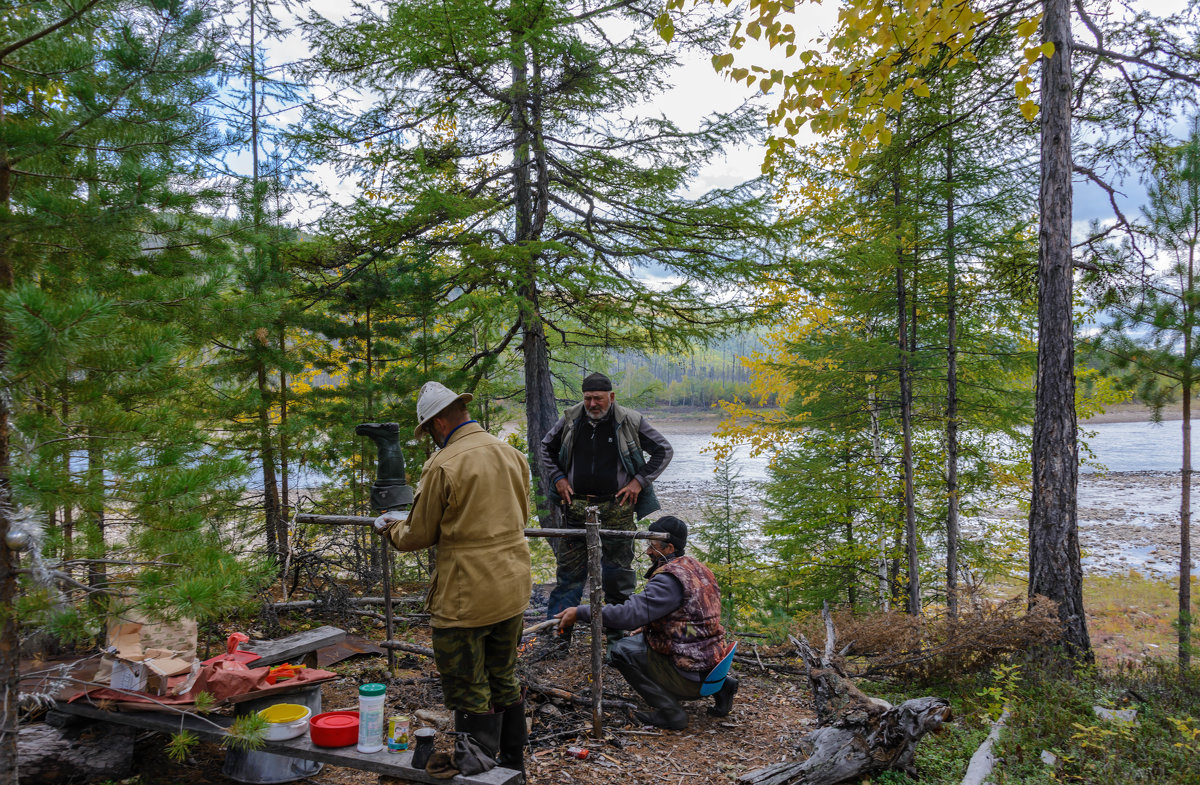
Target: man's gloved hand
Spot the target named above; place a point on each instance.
(384, 522)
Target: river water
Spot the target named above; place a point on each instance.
(1128, 492)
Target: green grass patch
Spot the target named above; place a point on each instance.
(1053, 711)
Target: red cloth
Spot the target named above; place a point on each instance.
(221, 683)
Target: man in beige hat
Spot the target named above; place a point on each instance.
(473, 504)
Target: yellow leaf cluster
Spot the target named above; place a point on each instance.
(871, 62)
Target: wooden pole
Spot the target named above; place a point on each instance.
(362, 520)
(388, 623)
(595, 578)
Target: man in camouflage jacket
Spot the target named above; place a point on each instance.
(679, 613)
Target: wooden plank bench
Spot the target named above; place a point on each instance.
(383, 762)
(302, 644)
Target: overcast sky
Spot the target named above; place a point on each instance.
(698, 91)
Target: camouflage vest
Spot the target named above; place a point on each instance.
(691, 635)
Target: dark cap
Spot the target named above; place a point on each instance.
(677, 529)
(597, 382)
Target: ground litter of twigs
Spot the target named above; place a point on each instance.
(771, 712)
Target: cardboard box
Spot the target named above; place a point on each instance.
(142, 655)
(127, 674)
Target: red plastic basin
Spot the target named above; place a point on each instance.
(334, 729)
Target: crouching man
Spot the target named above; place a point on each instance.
(679, 613)
(473, 503)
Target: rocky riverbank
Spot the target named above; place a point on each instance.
(1127, 520)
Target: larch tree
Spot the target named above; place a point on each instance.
(1152, 339)
(553, 189)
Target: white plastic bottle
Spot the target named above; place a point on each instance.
(370, 717)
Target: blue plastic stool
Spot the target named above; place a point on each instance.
(716, 677)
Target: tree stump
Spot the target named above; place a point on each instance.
(74, 751)
(857, 735)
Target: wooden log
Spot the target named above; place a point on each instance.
(858, 735)
(73, 752)
(980, 766)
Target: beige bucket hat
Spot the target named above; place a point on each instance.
(434, 397)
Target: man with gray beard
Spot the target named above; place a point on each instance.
(595, 456)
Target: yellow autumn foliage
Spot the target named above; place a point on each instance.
(876, 53)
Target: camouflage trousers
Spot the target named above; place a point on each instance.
(478, 665)
(616, 558)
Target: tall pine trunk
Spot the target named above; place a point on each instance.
(266, 449)
(913, 604)
(97, 574)
(1054, 561)
(284, 490)
(885, 594)
(68, 513)
(951, 391)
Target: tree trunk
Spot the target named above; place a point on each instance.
(913, 605)
(951, 392)
(1185, 494)
(885, 595)
(1054, 562)
(541, 411)
(1185, 523)
(284, 490)
(267, 460)
(9, 633)
(94, 512)
(68, 519)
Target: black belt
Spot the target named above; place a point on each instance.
(589, 498)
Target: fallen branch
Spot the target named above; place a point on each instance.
(573, 697)
(411, 648)
(980, 767)
(858, 735)
(539, 627)
(768, 666)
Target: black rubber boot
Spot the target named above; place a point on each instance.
(667, 712)
(484, 729)
(723, 698)
(386, 436)
(389, 491)
(514, 735)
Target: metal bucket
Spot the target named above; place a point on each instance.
(267, 768)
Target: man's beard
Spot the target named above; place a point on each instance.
(598, 417)
(656, 560)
